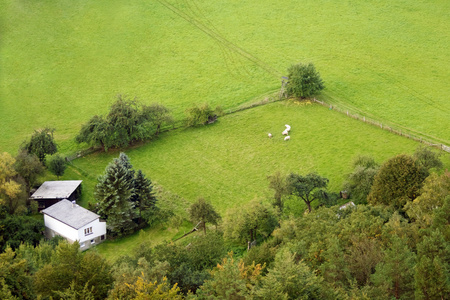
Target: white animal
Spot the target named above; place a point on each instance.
(270, 135)
(287, 138)
(288, 128)
(285, 132)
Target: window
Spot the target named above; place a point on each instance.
(82, 245)
(88, 231)
(92, 242)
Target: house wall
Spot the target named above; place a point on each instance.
(55, 227)
(98, 229)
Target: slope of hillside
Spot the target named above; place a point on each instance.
(62, 63)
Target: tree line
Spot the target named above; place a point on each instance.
(129, 121)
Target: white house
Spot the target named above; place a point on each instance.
(74, 223)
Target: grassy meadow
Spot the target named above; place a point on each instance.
(62, 62)
(228, 162)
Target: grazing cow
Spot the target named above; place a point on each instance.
(287, 138)
(288, 128)
(285, 132)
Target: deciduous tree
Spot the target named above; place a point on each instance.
(41, 143)
(308, 188)
(158, 115)
(199, 114)
(11, 191)
(127, 121)
(277, 182)
(360, 181)
(427, 158)
(96, 132)
(397, 182)
(57, 165)
(71, 270)
(433, 193)
(249, 222)
(231, 280)
(204, 212)
(15, 278)
(28, 167)
(304, 81)
(433, 267)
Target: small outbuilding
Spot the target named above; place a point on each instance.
(51, 192)
(74, 223)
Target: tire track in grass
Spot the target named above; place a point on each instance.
(227, 54)
(222, 40)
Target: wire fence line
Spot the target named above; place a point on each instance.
(386, 126)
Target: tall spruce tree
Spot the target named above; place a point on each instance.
(394, 275)
(144, 198)
(113, 193)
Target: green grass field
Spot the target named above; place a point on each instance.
(61, 63)
(228, 162)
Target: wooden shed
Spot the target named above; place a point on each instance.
(51, 192)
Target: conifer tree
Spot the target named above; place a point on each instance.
(144, 197)
(289, 279)
(394, 276)
(113, 193)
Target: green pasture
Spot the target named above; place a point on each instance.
(228, 162)
(63, 61)
(113, 249)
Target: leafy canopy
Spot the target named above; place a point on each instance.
(309, 188)
(57, 165)
(397, 182)
(202, 211)
(128, 121)
(41, 143)
(304, 81)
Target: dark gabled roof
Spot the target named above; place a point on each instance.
(56, 189)
(70, 214)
